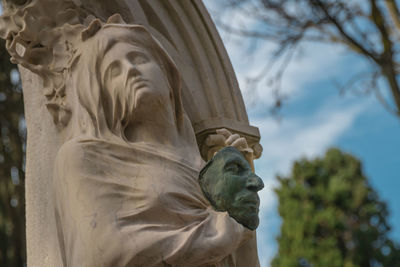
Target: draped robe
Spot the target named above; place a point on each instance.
(120, 204)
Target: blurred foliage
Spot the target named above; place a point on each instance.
(332, 216)
(12, 165)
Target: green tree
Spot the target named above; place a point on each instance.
(332, 216)
(12, 165)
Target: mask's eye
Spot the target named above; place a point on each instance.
(232, 167)
(137, 59)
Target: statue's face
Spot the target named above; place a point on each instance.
(230, 185)
(135, 74)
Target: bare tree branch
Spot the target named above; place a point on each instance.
(394, 12)
(386, 60)
(369, 28)
(352, 41)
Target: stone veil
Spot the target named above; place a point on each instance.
(124, 202)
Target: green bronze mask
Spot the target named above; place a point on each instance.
(230, 185)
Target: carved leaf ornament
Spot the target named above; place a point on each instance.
(45, 42)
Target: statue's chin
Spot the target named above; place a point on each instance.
(250, 221)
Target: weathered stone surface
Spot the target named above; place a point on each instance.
(107, 131)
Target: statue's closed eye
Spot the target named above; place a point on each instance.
(114, 69)
(136, 58)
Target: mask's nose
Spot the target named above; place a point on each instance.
(254, 183)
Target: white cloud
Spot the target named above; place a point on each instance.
(315, 62)
(303, 136)
(283, 143)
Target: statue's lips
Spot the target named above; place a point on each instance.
(139, 83)
(251, 201)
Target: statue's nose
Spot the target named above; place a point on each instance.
(254, 183)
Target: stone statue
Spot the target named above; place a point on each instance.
(126, 179)
(125, 182)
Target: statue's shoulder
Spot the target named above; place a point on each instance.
(82, 152)
(72, 153)
(71, 148)
(79, 158)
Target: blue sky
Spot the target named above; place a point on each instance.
(315, 118)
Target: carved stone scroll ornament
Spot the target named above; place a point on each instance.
(125, 177)
(44, 42)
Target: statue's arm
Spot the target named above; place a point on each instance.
(207, 237)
